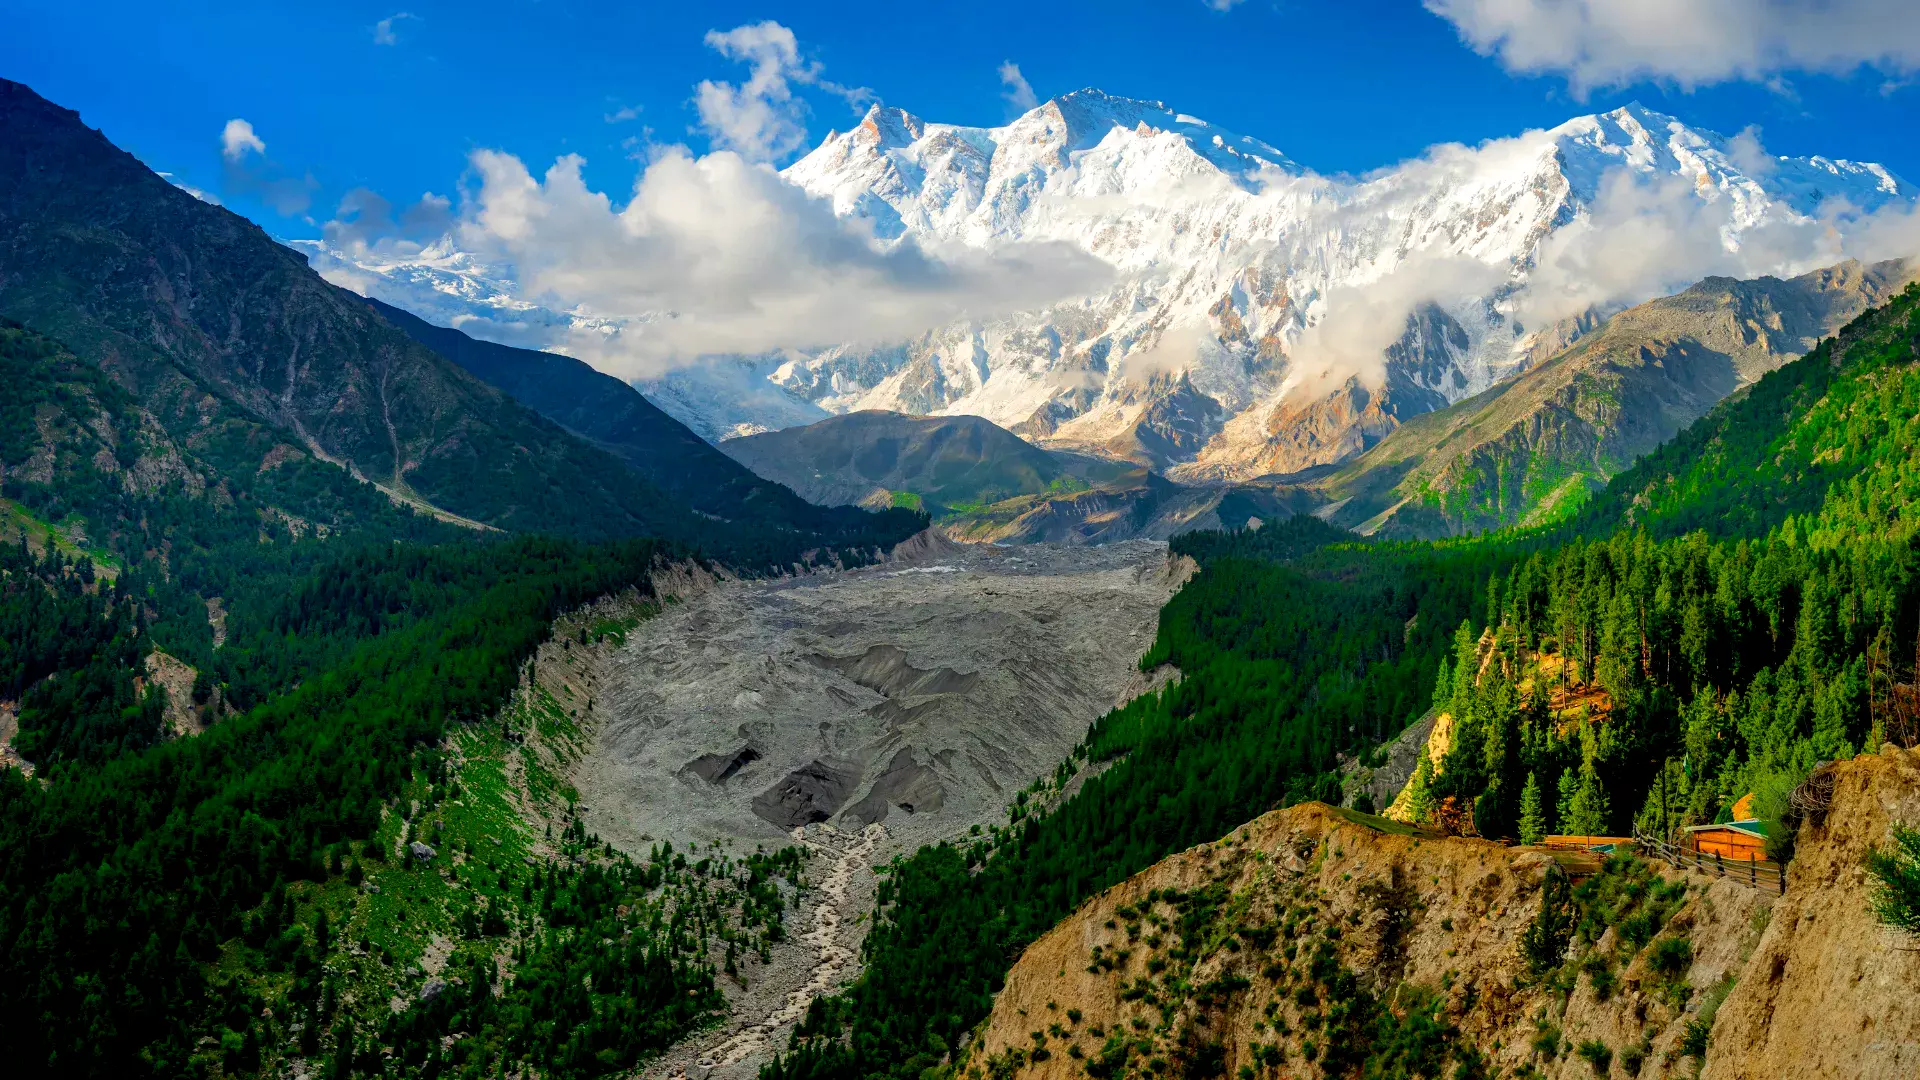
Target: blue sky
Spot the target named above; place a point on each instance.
(342, 100)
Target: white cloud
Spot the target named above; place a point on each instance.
(718, 255)
(1691, 42)
(385, 32)
(761, 119)
(623, 114)
(1646, 237)
(1362, 321)
(1019, 92)
(248, 170)
(237, 140)
(1223, 5)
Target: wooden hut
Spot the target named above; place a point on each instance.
(1733, 841)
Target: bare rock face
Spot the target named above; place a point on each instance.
(922, 693)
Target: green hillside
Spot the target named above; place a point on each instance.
(1532, 450)
(270, 574)
(951, 463)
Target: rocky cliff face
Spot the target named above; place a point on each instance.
(1318, 942)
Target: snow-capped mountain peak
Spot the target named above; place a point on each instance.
(1262, 317)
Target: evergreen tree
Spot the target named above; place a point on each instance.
(1419, 790)
(1533, 822)
(1587, 811)
(1563, 800)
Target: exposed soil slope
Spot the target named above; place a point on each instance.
(1298, 944)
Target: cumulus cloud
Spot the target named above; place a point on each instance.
(385, 32)
(237, 140)
(1691, 42)
(719, 255)
(365, 223)
(761, 119)
(1019, 92)
(249, 171)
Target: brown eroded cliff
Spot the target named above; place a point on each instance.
(1318, 942)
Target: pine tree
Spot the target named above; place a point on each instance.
(1419, 806)
(1563, 799)
(1533, 823)
(1587, 811)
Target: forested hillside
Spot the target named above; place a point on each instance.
(179, 902)
(615, 416)
(1534, 448)
(1596, 673)
(241, 355)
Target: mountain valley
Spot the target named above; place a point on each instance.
(1329, 647)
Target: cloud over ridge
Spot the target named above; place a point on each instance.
(1598, 43)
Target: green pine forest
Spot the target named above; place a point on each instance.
(1729, 613)
(1725, 616)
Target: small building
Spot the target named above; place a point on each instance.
(1732, 841)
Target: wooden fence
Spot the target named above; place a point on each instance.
(1759, 875)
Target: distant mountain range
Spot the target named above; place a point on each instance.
(1228, 255)
(1526, 451)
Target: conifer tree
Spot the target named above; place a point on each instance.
(1587, 811)
(1533, 822)
(1419, 795)
(1563, 799)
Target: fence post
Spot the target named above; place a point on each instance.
(1753, 873)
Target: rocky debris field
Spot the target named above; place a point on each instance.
(859, 713)
(922, 693)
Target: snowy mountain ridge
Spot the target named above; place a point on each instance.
(1262, 318)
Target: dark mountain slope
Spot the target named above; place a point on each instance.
(947, 461)
(1533, 448)
(622, 421)
(212, 324)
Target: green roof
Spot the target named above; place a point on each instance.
(1751, 826)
